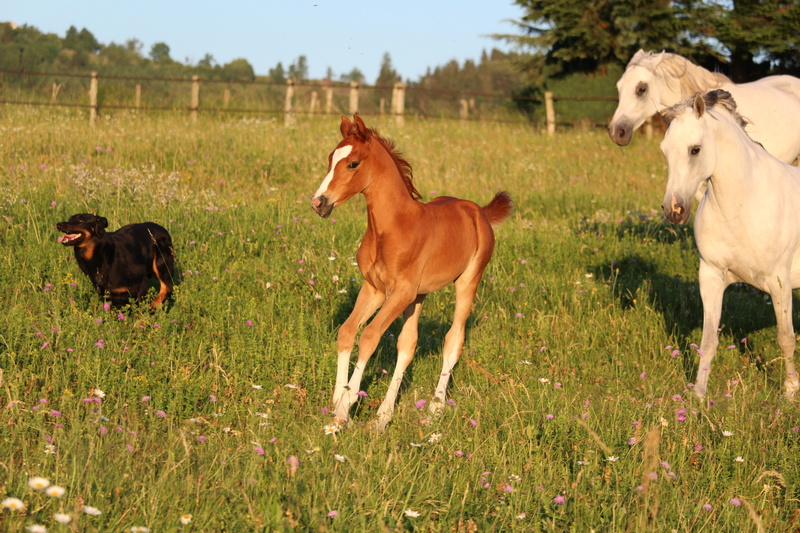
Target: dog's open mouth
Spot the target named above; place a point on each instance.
(69, 237)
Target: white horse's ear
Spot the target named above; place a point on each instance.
(657, 57)
(699, 105)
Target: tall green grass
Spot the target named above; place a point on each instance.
(570, 409)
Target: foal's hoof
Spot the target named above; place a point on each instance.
(791, 392)
(379, 424)
(435, 408)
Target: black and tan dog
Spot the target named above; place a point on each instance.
(120, 263)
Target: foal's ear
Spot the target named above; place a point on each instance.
(360, 124)
(699, 105)
(345, 126)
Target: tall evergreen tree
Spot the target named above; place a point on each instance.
(757, 36)
(159, 53)
(277, 75)
(588, 36)
(387, 76)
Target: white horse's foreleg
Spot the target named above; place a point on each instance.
(391, 309)
(454, 340)
(406, 344)
(368, 301)
(781, 293)
(712, 287)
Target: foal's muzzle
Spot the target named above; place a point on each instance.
(620, 132)
(322, 206)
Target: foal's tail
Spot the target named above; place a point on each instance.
(498, 209)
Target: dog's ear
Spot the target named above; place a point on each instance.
(100, 226)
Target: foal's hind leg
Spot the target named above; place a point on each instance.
(781, 294)
(454, 340)
(406, 344)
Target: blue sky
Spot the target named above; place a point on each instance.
(341, 34)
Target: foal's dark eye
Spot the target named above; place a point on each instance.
(352, 165)
(694, 150)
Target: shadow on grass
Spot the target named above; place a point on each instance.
(745, 310)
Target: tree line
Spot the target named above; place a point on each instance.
(567, 47)
(745, 39)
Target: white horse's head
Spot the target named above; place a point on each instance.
(690, 148)
(639, 91)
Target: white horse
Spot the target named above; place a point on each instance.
(652, 81)
(747, 226)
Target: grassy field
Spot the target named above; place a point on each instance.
(571, 409)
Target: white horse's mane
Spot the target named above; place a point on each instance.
(673, 68)
(711, 99)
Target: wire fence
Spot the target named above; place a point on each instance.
(291, 100)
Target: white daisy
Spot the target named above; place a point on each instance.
(54, 491)
(62, 518)
(15, 504)
(38, 483)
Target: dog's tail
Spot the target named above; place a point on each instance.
(163, 264)
(498, 209)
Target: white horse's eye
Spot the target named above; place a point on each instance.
(641, 89)
(694, 150)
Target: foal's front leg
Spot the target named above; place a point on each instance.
(396, 301)
(368, 301)
(712, 287)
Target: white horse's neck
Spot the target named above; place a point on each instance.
(739, 164)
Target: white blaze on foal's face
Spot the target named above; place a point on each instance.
(338, 154)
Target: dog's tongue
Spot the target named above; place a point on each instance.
(68, 237)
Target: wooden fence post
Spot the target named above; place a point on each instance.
(287, 105)
(93, 99)
(195, 96)
(226, 98)
(353, 97)
(399, 102)
(312, 107)
(56, 89)
(550, 113)
(137, 98)
(463, 109)
(328, 99)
